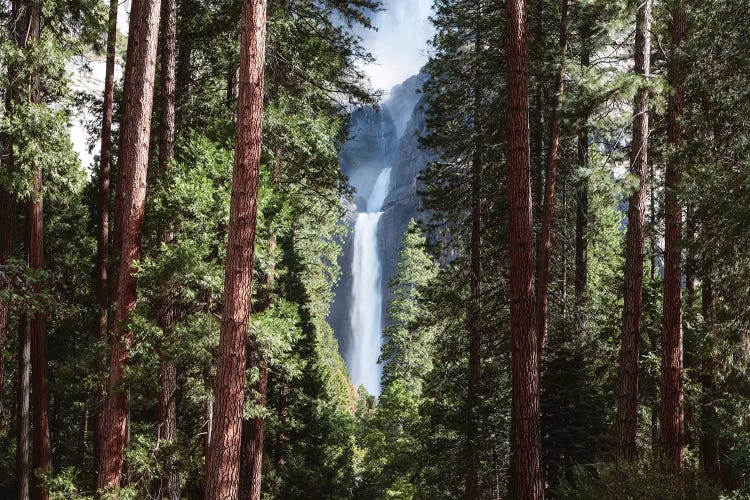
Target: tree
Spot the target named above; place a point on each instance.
(222, 464)
(632, 310)
(102, 241)
(475, 303)
(545, 235)
(527, 480)
(166, 426)
(131, 193)
(23, 389)
(672, 423)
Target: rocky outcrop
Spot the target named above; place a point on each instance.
(381, 138)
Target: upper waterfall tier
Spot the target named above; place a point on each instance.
(386, 137)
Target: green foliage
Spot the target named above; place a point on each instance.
(393, 430)
(645, 479)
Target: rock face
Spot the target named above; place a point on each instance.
(382, 138)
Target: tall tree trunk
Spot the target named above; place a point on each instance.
(102, 242)
(222, 464)
(41, 448)
(672, 419)
(23, 389)
(17, 31)
(471, 488)
(168, 83)
(251, 455)
(538, 132)
(526, 479)
(627, 403)
(253, 429)
(710, 425)
(582, 209)
(166, 428)
(690, 262)
(131, 193)
(581, 236)
(545, 235)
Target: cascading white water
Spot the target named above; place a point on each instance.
(366, 314)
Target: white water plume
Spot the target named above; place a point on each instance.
(366, 314)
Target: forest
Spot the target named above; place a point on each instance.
(521, 273)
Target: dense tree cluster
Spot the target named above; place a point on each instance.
(568, 319)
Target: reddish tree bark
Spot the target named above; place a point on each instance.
(166, 428)
(102, 241)
(168, 83)
(251, 455)
(582, 206)
(581, 236)
(23, 389)
(545, 235)
(18, 27)
(710, 423)
(222, 464)
(41, 448)
(471, 487)
(131, 193)
(671, 416)
(627, 402)
(526, 476)
(253, 429)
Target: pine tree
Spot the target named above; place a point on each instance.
(133, 161)
(222, 464)
(545, 235)
(672, 423)
(527, 480)
(102, 242)
(631, 317)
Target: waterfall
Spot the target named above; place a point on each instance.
(366, 313)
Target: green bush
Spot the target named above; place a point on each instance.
(641, 480)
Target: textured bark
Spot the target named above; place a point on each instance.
(131, 193)
(222, 464)
(526, 465)
(582, 209)
(23, 389)
(166, 428)
(545, 235)
(251, 456)
(18, 24)
(102, 241)
(471, 487)
(581, 237)
(690, 261)
(671, 417)
(627, 402)
(41, 448)
(168, 83)
(710, 424)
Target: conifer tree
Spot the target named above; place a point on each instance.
(527, 479)
(631, 317)
(222, 464)
(672, 423)
(133, 161)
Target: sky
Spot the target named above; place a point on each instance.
(400, 43)
(399, 46)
